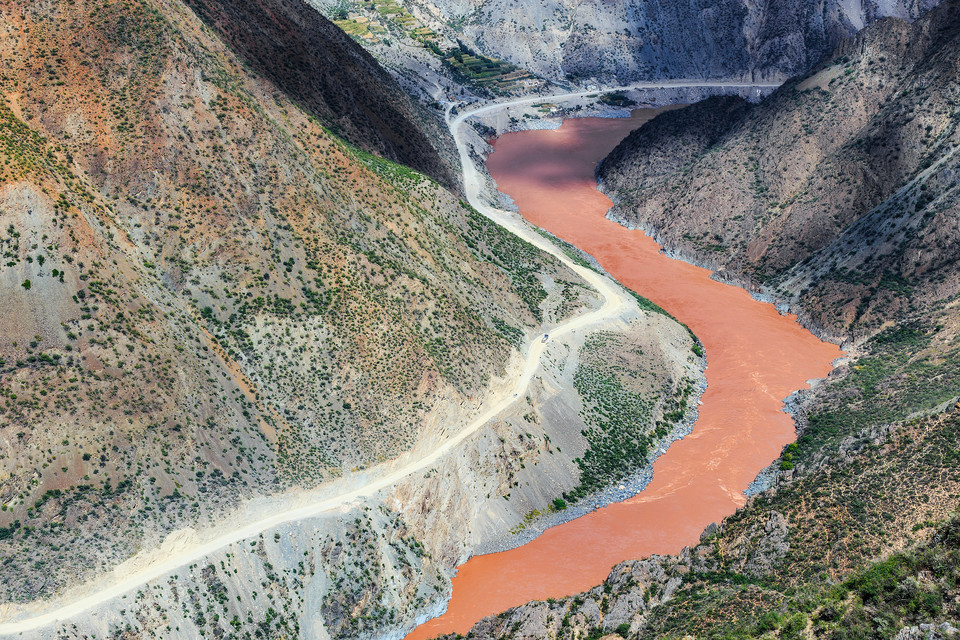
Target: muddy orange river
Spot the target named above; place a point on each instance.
(756, 358)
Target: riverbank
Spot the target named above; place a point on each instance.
(757, 292)
(634, 483)
(618, 492)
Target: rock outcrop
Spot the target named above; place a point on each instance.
(619, 42)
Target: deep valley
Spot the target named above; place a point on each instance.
(277, 359)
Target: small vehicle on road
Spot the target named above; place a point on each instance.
(546, 336)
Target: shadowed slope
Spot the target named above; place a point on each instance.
(328, 74)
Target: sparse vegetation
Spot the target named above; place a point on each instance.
(623, 423)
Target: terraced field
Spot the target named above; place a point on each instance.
(497, 75)
(376, 22)
(362, 27)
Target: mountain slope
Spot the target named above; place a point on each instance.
(849, 552)
(208, 296)
(838, 187)
(321, 69)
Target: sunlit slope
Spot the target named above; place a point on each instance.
(206, 294)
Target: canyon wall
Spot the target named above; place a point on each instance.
(839, 191)
(620, 42)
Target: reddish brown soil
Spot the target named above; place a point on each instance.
(756, 358)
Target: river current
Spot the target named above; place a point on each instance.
(756, 358)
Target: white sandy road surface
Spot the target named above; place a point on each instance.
(186, 547)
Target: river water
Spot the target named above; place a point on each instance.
(756, 358)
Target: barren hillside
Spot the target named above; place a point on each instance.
(207, 294)
(618, 42)
(315, 64)
(838, 192)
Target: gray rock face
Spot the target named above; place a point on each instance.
(759, 549)
(928, 632)
(631, 591)
(645, 39)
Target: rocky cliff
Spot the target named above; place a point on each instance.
(618, 42)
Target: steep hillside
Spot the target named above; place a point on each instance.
(320, 68)
(208, 295)
(847, 552)
(838, 192)
(428, 58)
(638, 39)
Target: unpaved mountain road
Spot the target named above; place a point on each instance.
(184, 548)
(679, 84)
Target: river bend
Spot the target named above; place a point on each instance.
(756, 358)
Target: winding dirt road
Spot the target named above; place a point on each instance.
(184, 548)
